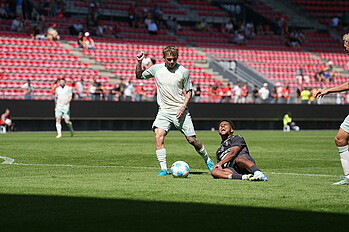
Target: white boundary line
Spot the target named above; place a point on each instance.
(11, 161)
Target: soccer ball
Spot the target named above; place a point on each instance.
(180, 169)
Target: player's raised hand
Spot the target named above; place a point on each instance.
(140, 56)
(320, 93)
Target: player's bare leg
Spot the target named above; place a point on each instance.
(70, 126)
(247, 164)
(161, 150)
(58, 127)
(341, 141)
(201, 150)
(225, 173)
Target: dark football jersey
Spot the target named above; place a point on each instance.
(233, 141)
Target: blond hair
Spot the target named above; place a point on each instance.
(346, 37)
(170, 51)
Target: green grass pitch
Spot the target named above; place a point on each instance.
(106, 181)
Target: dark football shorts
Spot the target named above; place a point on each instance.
(236, 169)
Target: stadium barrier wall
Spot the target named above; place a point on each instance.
(38, 115)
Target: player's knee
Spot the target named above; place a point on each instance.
(240, 160)
(191, 140)
(159, 137)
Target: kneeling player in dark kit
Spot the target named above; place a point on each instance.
(233, 158)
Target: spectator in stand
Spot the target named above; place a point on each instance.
(91, 23)
(300, 76)
(88, 42)
(80, 89)
(52, 33)
(116, 31)
(36, 33)
(114, 92)
(286, 94)
(17, 24)
(227, 92)
(335, 22)
(152, 28)
(220, 93)
(129, 90)
(6, 122)
(274, 96)
(264, 93)
(244, 93)
(320, 75)
(176, 26)
(255, 94)
(28, 90)
(100, 92)
(197, 93)
(211, 93)
(228, 27)
(305, 96)
(170, 23)
(202, 25)
(249, 30)
(237, 92)
(140, 92)
(237, 38)
(80, 41)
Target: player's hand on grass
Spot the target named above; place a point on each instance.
(320, 93)
(140, 56)
(180, 112)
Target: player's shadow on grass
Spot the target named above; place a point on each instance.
(54, 213)
(198, 173)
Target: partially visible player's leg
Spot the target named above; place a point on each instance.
(247, 163)
(160, 150)
(341, 141)
(66, 116)
(58, 116)
(228, 173)
(70, 126)
(161, 126)
(185, 125)
(58, 127)
(201, 150)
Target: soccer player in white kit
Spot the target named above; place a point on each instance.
(342, 137)
(174, 93)
(63, 97)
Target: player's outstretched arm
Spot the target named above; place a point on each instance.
(187, 98)
(140, 57)
(340, 88)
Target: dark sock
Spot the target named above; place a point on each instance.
(254, 169)
(235, 176)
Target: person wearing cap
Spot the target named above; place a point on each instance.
(87, 41)
(264, 93)
(52, 33)
(233, 157)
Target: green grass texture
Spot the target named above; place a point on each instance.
(106, 181)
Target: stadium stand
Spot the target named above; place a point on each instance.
(43, 61)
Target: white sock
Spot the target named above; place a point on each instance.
(59, 128)
(203, 153)
(344, 154)
(161, 155)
